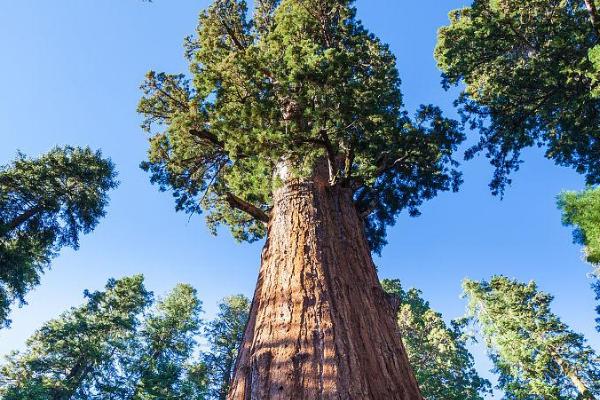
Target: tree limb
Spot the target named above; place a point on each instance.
(208, 136)
(21, 219)
(250, 209)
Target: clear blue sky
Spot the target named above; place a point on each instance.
(70, 73)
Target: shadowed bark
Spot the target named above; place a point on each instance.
(320, 325)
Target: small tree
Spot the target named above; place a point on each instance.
(224, 335)
(65, 358)
(45, 203)
(582, 210)
(535, 353)
(438, 353)
(160, 364)
(531, 70)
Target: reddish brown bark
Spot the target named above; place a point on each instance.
(320, 324)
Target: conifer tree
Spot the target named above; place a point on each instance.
(159, 363)
(68, 356)
(582, 210)
(531, 70)
(45, 204)
(224, 335)
(536, 354)
(292, 126)
(437, 352)
(115, 346)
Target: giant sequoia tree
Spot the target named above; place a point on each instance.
(531, 70)
(45, 204)
(292, 127)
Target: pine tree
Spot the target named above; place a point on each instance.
(531, 70)
(115, 346)
(159, 363)
(45, 204)
(292, 126)
(67, 356)
(224, 335)
(582, 210)
(438, 353)
(536, 354)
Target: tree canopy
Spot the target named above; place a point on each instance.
(67, 355)
(531, 70)
(438, 353)
(582, 210)
(534, 352)
(45, 204)
(293, 84)
(113, 346)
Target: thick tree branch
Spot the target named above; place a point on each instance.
(248, 208)
(232, 35)
(208, 136)
(21, 219)
(331, 155)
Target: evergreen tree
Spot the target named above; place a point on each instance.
(297, 109)
(582, 210)
(70, 354)
(531, 70)
(160, 363)
(224, 335)
(45, 203)
(438, 353)
(535, 353)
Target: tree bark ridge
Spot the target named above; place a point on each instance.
(320, 325)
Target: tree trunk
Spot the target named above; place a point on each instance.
(574, 378)
(320, 324)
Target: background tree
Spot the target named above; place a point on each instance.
(67, 357)
(535, 353)
(45, 203)
(582, 210)
(224, 335)
(531, 72)
(438, 353)
(293, 117)
(161, 355)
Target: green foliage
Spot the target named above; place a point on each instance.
(582, 210)
(68, 354)
(438, 354)
(535, 353)
(45, 203)
(225, 335)
(159, 360)
(530, 70)
(105, 349)
(297, 83)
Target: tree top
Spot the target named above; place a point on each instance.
(295, 82)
